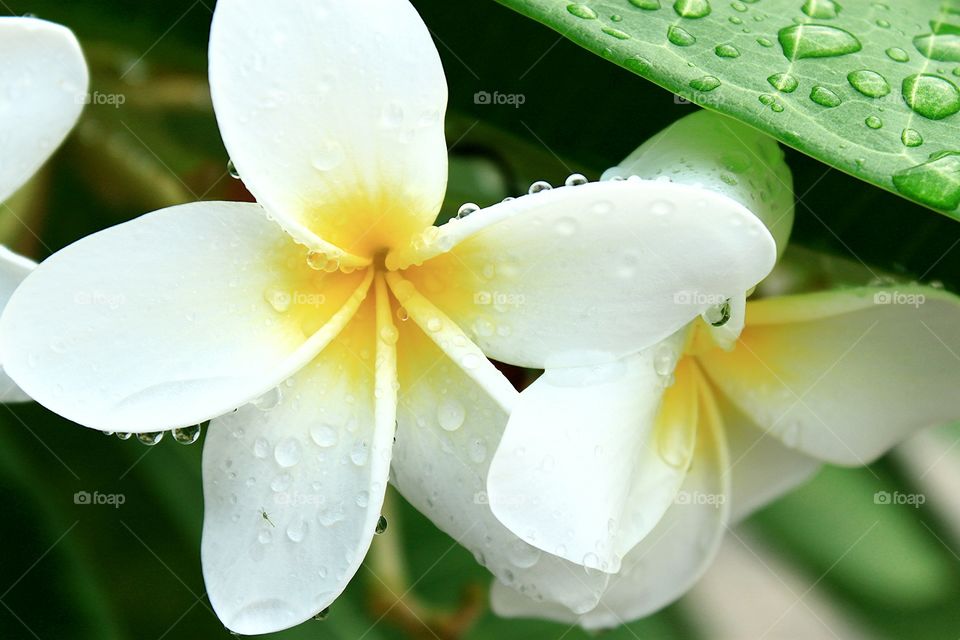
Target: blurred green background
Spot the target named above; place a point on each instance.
(826, 561)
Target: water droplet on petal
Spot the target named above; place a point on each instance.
(451, 414)
(538, 186)
(150, 439)
(381, 526)
(575, 180)
(288, 452)
(466, 209)
(187, 435)
(232, 170)
(324, 435)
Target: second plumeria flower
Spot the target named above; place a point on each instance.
(332, 311)
(691, 435)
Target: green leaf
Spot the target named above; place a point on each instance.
(870, 88)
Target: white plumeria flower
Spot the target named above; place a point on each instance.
(333, 114)
(688, 437)
(43, 82)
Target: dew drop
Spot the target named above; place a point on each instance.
(381, 526)
(637, 64)
(362, 499)
(451, 414)
(646, 5)
(705, 84)
(360, 453)
(582, 11)
(323, 614)
(297, 531)
(466, 209)
(944, 47)
(821, 9)
(680, 36)
(434, 324)
(873, 122)
(783, 82)
(187, 435)
(931, 96)
(616, 33)
(123, 435)
(261, 448)
(329, 156)
(575, 180)
(763, 42)
(692, 8)
(718, 315)
(539, 186)
(771, 101)
(869, 83)
(523, 555)
(816, 41)
(150, 439)
(664, 360)
(911, 138)
(288, 452)
(727, 51)
(935, 183)
(269, 400)
(232, 170)
(824, 97)
(477, 451)
(897, 54)
(323, 435)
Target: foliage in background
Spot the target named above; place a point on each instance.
(867, 87)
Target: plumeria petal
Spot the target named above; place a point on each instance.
(293, 493)
(13, 270)
(171, 319)
(761, 468)
(845, 375)
(585, 274)
(589, 461)
(668, 561)
(450, 420)
(723, 155)
(333, 114)
(45, 79)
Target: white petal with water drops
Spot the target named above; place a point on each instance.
(289, 513)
